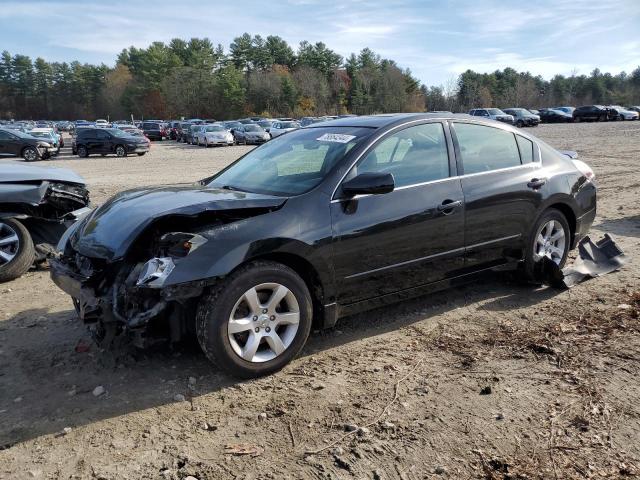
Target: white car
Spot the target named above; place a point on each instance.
(213, 135)
(278, 128)
(101, 122)
(624, 114)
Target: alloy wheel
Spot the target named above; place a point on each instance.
(550, 242)
(30, 154)
(9, 243)
(263, 322)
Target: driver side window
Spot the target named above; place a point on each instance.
(414, 155)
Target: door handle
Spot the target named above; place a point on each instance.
(536, 183)
(449, 205)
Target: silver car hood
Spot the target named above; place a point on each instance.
(12, 173)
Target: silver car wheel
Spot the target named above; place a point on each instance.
(550, 242)
(30, 154)
(263, 322)
(9, 243)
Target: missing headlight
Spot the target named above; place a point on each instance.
(155, 272)
(180, 244)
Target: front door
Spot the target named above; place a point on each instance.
(409, 237)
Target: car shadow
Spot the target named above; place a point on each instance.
(49, 368)
(624, 226)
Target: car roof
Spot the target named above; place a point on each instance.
(383, 120)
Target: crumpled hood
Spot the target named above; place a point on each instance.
(14, 173)
(112, 228)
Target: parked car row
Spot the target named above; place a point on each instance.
(522, 117)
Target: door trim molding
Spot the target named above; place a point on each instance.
(435, 255)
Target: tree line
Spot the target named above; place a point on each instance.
(265, 76)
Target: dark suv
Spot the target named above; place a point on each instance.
(523, 117)
(107, 140)
(153, 130)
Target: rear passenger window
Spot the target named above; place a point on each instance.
(526, 149)
(413, 155)
(484, 148)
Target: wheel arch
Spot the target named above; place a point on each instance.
(569, 214)
(311, 277)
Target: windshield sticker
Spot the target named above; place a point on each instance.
(335, 137)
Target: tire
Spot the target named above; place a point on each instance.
(576, 120)
(30, 154)
(23, 252)
(82, 151)
(550, 215)
(121, 151)
(140, 154)
(519, 124)
(621, 118)
(602, 118)
(217, 308)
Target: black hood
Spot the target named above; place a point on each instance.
(111, 229)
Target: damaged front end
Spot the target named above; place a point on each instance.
(45, 200)
(146, 285)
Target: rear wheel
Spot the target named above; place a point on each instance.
(256, 321)
(17, 252)
(550, 237)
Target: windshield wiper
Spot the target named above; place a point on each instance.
(232, 188)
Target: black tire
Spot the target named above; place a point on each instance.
(215, 309)
(140, 154)
(519, 124)
(547, 215)
(621, 118)
(25, 255)
(82, 151)
(121, 151)
(30, 154)
(576, 120)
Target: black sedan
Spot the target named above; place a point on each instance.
(15, 143)
(591, 113)
(325, 221)
(553, 115)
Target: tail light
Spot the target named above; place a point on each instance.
(585, 169)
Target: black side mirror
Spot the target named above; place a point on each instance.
(371, 183)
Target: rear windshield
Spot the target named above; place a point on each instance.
(289, 125)
(151, 126)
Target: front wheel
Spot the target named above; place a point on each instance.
(17, 252)
(121, 151)
(550, 237)
(30, 154)
(519, 124)
(256, 321)
(82, 151)
(140, 154)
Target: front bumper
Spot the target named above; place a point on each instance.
(138, 148)
(219, 141)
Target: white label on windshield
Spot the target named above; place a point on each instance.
(335, 137)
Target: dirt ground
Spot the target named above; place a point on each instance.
(493, 380)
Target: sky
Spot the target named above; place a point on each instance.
(436, 39)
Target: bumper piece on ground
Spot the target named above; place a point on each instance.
(594, 260)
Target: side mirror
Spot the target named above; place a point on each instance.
(371, 183)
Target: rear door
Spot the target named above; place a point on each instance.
(409, 237)
(6, 143)
(501, 191)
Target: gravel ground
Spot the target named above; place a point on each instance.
(493, 380)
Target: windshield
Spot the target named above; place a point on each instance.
(21, 134)
(289, 125)
(215, 129)
(116, 132)
(40, 134)
(265, 124)
(495, 111)
(252, 128)
(291, 164)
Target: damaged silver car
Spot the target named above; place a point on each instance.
(37, 205)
